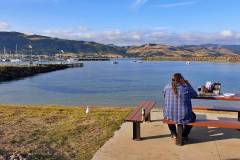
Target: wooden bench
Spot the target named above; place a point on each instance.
(137, 117)
(225, 109)
(206, 123)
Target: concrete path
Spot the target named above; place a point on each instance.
(204, 143)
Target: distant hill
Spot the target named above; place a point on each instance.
(50, 46)
(207, 50)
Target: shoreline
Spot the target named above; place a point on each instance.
(67, 106)
(58, 106)
(230, 59)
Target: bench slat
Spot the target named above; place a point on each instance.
(211, 123)
(148, 107)
(138, 116)
(133, 113)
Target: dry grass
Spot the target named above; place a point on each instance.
(54, 132)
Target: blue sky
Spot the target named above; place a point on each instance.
(126, 22)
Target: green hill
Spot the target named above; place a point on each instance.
(48, 45)
(207, 50)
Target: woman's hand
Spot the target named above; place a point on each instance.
(183, 81)
(186, 81)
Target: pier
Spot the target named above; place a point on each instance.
(67, 65)
(94, 59)
(73, 65)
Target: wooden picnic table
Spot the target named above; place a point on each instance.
(220, 97)
(235, 97)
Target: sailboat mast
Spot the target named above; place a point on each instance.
(16, 51)
(4, 50)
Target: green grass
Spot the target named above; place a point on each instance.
(53, 132)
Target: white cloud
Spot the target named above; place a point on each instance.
(138, 37)
(74, 33)
(177, 4)
(227, 33)
(4, 26)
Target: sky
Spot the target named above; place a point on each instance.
(126, 22)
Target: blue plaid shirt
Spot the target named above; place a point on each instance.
(179, 108)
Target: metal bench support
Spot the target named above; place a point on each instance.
(136, 131)
(179, 134)
(148, 118)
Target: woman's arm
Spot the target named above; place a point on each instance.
(192, 92)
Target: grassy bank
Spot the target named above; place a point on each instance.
(8, 73)
(53, 132)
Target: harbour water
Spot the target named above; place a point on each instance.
(122, 84)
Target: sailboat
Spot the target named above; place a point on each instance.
(114, 62)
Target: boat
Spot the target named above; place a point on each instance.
(140, 61)
(71, 60)
(15, 60)
(187, 63)
(114, 62)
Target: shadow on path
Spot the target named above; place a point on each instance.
(155, 137)
(205, 134)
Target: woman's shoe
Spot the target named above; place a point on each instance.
(174, 137)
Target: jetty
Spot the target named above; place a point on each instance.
(14, 72)
(73, 65)
(94, 59)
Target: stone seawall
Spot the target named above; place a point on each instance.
(8, 73)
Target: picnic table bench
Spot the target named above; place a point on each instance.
(204, 123)
(230, 124)
(137, 117)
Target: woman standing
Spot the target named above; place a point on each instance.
(178, 106)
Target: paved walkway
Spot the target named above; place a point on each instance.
(204, 143)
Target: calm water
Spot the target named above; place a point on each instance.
(126, 83)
